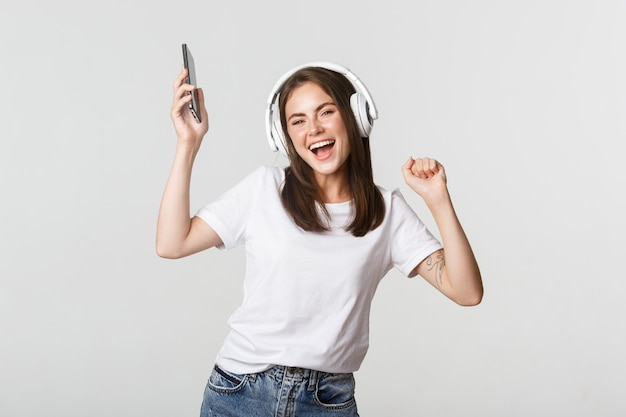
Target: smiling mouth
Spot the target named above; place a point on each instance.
(322, 147)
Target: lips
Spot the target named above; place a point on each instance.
(322, 148)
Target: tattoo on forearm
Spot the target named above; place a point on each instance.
(438, 263)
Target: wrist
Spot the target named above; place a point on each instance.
(437, 200)
(187, 145)
(186, 151)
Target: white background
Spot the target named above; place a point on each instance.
(523, 102)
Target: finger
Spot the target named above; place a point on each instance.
(180, 80)
(426, 167)
(183, 93)
(408, 165)
(200, 97)
(407, 169)
(430, 167)
(179, 105)
(418, 168)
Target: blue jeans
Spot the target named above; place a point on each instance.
(279, 392)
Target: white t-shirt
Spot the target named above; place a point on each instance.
(306, 295)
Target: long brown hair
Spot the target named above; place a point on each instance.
(300, 195)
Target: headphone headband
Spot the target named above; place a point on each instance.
(274, 133)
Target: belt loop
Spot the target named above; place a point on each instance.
(313, 378)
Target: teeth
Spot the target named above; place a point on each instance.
(321, 144)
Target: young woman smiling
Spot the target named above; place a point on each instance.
(319, 236)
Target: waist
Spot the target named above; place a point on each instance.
(292, 372)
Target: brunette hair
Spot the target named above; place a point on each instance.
(300, 194)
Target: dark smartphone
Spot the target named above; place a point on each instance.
(191, 79)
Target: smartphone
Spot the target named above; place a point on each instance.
(191, 79)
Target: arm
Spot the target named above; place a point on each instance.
(452, 270)
(178, 235)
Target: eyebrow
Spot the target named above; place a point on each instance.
(318, 108)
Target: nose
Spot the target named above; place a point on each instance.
(315, 127)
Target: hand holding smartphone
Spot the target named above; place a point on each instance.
(191, 79)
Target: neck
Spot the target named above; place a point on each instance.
(334, 188)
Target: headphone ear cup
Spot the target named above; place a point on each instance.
(278, 137)
(359, 106)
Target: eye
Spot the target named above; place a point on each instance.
(296, 122)
(327, 111)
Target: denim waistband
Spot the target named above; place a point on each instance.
(295, 374)
(291, 372)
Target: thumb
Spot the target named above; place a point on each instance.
(408, 164)
(202, 107)
(406, 168)
(200, 96)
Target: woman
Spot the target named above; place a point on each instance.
(319, 237)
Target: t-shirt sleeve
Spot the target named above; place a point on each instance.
(228, 214)
(411, 241)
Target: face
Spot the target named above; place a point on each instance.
(317, 130)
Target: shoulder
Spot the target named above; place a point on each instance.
(392, 197)
(264, 175)
(271, 172)
(397, 208)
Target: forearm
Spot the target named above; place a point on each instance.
(174, 221)
(461, 279)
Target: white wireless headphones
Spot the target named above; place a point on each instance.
(361, 103)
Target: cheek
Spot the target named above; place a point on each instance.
(339, 126)
(296, 137)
